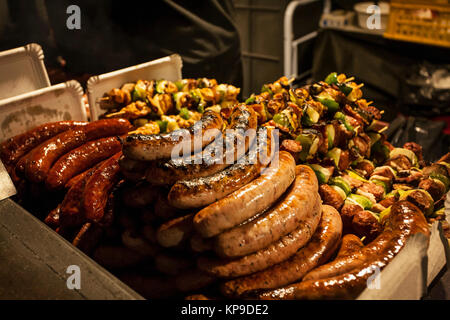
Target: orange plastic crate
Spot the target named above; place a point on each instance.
(426, 22)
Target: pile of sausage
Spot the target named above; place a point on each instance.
(74, 165)
(175, 217)
(217, 221)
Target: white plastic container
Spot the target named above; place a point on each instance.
(168, 68)
(22, 70)
(363, 15)
(56, 103)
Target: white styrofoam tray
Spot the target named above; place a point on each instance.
(22, 70)
(56, 103)
(168, 68)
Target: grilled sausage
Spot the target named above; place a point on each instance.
(80, 159)
(319, 249)
(160, 146)
(14, 148)
(175, 232)
(98, 188)
(275, 253)
(203, 191)
(248, 201)
(217, 156)
(301, 199)
(350, 245)
(80, 176)
(71, 213)
(38, 162)
(404, 220)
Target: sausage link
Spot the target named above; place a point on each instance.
(160, 146)
(80, 159)
(14, 148)
(203, 191)
(275, 253)
(248, 201)
(220, 154)
(346, 259)
(71, 213)
(404, 220)
(39, 161)
(98, 188)
(299, 201)
(322, 245)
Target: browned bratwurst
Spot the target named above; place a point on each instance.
(295, 206)
(38, 162)
(14, 148)
(160, 146)
(220, 154)
(319, 249)
(98, 188)
(199, 192)
(275, 253)
(404, 220)
(249, 200)
(80, 159)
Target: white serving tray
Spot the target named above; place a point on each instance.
(22, 70)
(56, 103)
(168, 68)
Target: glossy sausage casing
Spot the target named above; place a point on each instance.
(98, 188)
(39, 161)
(14, 148)
(218, 155)
(319, 249)
(160, 146)
(80, 159)
(299, 201)
(404, 220)
(199, 192)
(275, 253)
(249, 200)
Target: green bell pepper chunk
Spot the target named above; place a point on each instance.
(306, 140)
(184, 113)
(363, 201)
(344, 88)
(323, 174)
(332, 106)
(250, 100)
(179, 85)
(281, 119)
(335, 155)
(310, 116)
(331, 78)
(341, 183)
(330, 132)
(341, 117)
(162, 125)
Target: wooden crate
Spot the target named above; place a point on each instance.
(421, 21)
